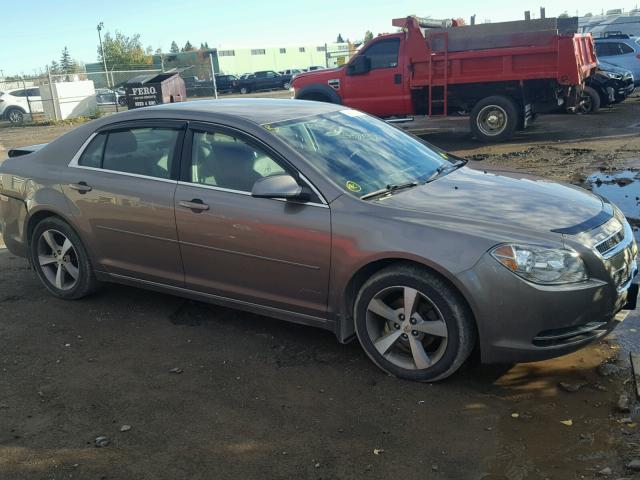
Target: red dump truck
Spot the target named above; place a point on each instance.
(500, 74)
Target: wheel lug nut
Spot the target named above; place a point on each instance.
(413, 321)
(401, 317)
(397, 326)
(404, 335)
(414, 333)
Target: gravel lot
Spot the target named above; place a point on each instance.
(259, 398)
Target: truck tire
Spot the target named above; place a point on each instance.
(494, 119)
(244, 90)
(589, 101)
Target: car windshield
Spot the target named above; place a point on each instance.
(362, 154)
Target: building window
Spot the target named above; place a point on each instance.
(301, 49)
(283, 50)
(258, 51)
(226, 53)
(321, 49)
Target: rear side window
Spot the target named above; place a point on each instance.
(140, 151)
(18, 93)
(610, 49)
(383, 54)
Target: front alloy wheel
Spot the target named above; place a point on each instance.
(15, 116)
(413, 324)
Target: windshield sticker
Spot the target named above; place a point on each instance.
(353, 186)
(352, 113)
(444, 155)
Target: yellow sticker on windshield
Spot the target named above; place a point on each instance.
(353, 186)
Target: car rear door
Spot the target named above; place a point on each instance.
(384, 89)
(121, 187)
(254, 250)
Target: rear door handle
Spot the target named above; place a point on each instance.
(196, 205)
(81, 187)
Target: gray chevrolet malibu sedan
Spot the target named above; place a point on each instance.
(322, 215)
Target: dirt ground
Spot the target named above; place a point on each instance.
(259, 398)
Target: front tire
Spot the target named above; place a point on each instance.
(413, 325)
(61, 260)
(590, 101)
(494, 119)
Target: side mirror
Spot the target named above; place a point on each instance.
(359, 66)
(279, 186)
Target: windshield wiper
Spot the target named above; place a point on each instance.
(389, 189)
(438, 171)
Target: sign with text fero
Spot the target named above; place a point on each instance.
(144, 95)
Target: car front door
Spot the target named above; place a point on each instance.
(382, 90)
(122, 190)
(260, 251)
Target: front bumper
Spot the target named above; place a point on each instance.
(520, 321)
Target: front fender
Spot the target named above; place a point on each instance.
(316, 89)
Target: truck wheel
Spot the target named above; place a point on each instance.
(15, 115)
(494, 119)
(286, 85)
(413, 325)
(589, 101)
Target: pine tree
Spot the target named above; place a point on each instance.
(339, 39)
(368, 36)
(67, 65)
(188, 47)
(174, 47)
(206, 45)
(54, 68)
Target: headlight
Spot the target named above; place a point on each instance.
(615, 76)
(548, 266)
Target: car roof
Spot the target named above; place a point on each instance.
(257, 110)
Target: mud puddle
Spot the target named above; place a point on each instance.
(622, 188)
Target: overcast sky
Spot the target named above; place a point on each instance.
(32, 37)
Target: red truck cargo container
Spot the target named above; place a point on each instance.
(500, 74)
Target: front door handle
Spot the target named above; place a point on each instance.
(81, 187)
(196, 205)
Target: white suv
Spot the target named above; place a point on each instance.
(14, 104)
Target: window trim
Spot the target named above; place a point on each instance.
(180, 125)
(186, 164)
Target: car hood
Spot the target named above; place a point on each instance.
(318, 75)
(506, 198)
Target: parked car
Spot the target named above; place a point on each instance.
(313, 68)
(621, 50)
(16, 104)
(322, 215)
(224, 83)
(289, 75)
(264, 80)
(107, 96)
(198, 88)
(608, 85)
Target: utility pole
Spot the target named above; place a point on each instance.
(213, 76)
(104, 59)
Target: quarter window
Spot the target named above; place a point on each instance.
(92, 155)
(383, 54)
(228, 162)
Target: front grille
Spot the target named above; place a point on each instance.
(610, 243)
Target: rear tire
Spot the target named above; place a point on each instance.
(15, 115)
(425, 342)
(494, 119)
(61, 260)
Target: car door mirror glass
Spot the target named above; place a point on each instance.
(279, 186)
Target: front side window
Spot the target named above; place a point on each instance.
(224, 161)
(624, 49)
(383, 54)
(360, 153)
(140, 151)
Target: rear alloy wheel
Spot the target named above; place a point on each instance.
(60, 260)
(494, 119)
(15, 116)
(287, 85)
(413, 325)
(589, 101)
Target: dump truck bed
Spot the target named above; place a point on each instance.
(506, 51)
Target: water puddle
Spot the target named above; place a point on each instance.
(622, 188)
